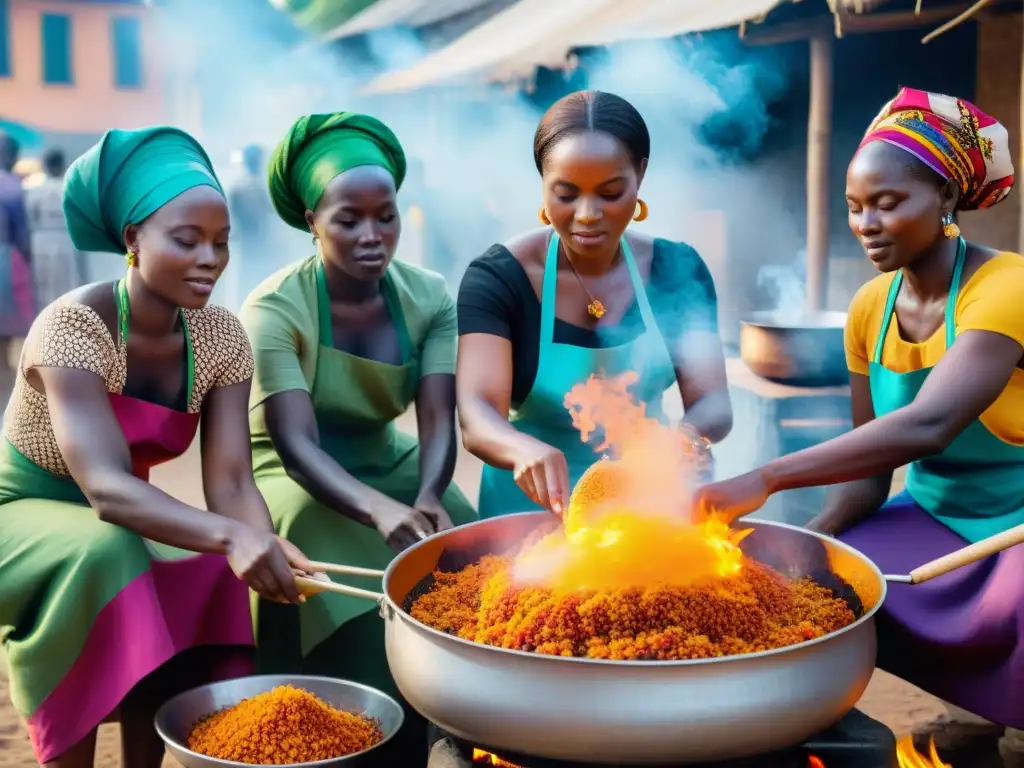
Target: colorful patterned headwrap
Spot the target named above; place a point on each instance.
(952, 137)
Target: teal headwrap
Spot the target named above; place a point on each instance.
(127, 177)
(319, 147)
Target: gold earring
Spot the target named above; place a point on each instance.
(132, 259)
(949, 227)
(543, 216)
(641, 210)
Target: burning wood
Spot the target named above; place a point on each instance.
(908, 756)
(486, 758)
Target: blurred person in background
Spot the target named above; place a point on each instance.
(57, 266)
(108, 608)
(581, 296)
(252, 225)
(17, 305)
(935, 348)
(345, 342)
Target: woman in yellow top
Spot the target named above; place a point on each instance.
(345, 341)
(935, 347)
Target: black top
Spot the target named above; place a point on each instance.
(496, 297)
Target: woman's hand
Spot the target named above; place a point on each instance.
(435, 512)
(265, 561)
(733, 498)
(544, 477)
(401, 526)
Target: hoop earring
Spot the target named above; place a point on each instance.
(949, 227)
(543, 216)
(641, 210)
(132, 259)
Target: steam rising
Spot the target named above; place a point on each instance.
(705, 99)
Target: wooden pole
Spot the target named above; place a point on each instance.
(1020, 154)
(819, 144)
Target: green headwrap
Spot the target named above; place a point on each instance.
(319, 147)
(126, 178)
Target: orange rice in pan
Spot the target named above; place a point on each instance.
(756, 609)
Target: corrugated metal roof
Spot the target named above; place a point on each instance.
(412, 13)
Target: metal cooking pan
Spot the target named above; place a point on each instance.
(614, 712)
(805, 351)
(649, 712)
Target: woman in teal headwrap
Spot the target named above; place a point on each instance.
(98, 596)
(345, 341)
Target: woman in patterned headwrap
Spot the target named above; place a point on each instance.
(934, 346)
(101, 592)
(345, 341)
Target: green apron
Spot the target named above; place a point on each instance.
(356, 401)
(975, 486)
(560, 367)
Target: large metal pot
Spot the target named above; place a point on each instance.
(613, 712)
(806, 351)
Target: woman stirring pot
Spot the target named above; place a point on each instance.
(579, 297)
(935, 347)
(110, 609)
(345, 342)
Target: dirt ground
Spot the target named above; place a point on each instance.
(900, 706)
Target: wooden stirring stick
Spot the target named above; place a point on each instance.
(315, 586)
(346, 570)
(972, 553)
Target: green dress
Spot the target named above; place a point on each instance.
(356, 401)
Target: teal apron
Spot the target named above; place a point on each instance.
(975, 486)
(560, 367)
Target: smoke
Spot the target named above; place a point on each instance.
(706, 102)
(787, 286)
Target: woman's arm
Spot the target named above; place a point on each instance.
(484, 392)
(848, 503)
(435, 421)
(228, 483)
(687, 289)
(94, 449)
(291, 422)
(702, 381)
(967, 380)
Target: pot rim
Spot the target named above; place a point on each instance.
(394, 610)
(770, 319)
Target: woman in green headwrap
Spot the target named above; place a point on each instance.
(345, 341)
(105, 605)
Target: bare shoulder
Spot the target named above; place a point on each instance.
(530, 247)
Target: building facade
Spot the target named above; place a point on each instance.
(70, 69)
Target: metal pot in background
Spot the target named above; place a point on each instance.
(803, 351)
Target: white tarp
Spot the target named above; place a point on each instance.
(389, 13)
(535, 33)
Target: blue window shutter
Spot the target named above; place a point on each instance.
(126, 40)
(5, 38)
(56, 29)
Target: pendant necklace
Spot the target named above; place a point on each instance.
(595, 307)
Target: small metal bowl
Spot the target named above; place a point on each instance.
(176, 718)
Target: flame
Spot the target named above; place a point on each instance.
(480, 756)
(628, 522)
(815, 762)
(908, 757)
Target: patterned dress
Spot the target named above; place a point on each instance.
(90, 608)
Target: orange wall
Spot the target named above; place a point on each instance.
(92, 104)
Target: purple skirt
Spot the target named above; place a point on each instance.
(957, 637)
